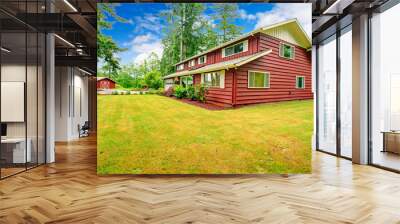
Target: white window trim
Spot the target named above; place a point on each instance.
(304, 81)
(245, 48)
(178, 67)
(205, 59)
(265, 87)
(190, 63)
(280, 50)
(221, 79)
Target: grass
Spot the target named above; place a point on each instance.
(151, 134)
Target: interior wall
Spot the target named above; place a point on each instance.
(71, 102)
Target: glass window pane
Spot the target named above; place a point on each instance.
(238, 48)
(31, 100)
(327, 95)
(258, 79)
(229, 51)
(14, 153)
(385, 89)
(346, 93)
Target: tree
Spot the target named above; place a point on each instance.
(183, 35)
(125, 80)
(225, 15)
(153, 79)
(106, 47)
(210, 37)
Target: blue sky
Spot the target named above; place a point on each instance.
(142, 34)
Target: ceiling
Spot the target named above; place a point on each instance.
(331, 15)
(73, 22)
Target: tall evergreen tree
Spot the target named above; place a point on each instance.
(225, 15)
(183, 35)
(106, 47)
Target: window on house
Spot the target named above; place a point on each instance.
(180, 67)
(214, 79)
(258, 79)
(202, 59)
(192, 63)
(286, 51)
(300, 82)
(186, 81)
(235, 49)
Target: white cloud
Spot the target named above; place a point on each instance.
(285, 11)
(147, 22)
(244, 15)
(140, 47)
(144, 51)
(143, 38)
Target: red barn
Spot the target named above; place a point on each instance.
(269, 64)
(105, 83)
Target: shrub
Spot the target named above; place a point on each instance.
(128, 92)
(160, 91)
(180, 92)
(190, 93)
(152, 91)
(169, 92)
(200, 92)
(114, 92)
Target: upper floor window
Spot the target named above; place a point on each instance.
(286, 51)
(202, 59)
(214, 79)
(180, 67)
(300, 82)
(235, 49)
(257, 79)
(192, 63)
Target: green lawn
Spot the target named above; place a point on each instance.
(150, 134)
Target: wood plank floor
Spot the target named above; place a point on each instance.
(69, 191)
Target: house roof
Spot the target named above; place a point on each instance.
(221, 65)
(288, 30)
(102, 78)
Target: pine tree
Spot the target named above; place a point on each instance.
(106, 47)
(187, 33)
(225, 15)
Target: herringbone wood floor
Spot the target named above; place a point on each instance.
(69, 191)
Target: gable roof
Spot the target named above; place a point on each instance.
(221, 65)
(102, 78)
(288, 30)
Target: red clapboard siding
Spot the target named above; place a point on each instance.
(219, 96)
(283, 74)
(105, 84)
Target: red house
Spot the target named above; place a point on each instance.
(105, 83)
(266, 65)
